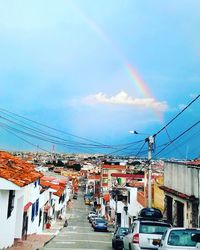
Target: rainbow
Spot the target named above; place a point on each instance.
(141, 86)
(131, 72)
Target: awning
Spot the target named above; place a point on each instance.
(106, 197)
(26, 207)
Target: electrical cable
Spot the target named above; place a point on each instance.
(176, 138)
(46, 126)
(177, 115)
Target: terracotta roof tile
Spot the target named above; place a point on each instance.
(17, 170)
(119, 167)
(56, 184)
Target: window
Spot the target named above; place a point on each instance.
(153, 228)
(33, 212)
(37, 207)
(11, 200)
(129, 197)
(40, 217)
(182, 237)
(60, 199)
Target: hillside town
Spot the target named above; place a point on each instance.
(36, 190)
(99, 125)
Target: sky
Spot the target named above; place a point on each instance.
(99, 69)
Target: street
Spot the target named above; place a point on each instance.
(79, 234)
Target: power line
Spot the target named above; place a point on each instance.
(46, 126)
(122, 149)
(176, 138)
(177, 115)
(175, 147)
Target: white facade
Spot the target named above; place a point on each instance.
(43, 199)
(12, 225)
(9, 226)
(133, 205)
(32, 194)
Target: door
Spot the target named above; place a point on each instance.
(25, 226)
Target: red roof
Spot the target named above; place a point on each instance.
(114, 167)
(56, 184)
(16, 170)
(59, 192)
(132, 176)
(94, 177)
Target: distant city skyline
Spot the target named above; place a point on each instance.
(96, 70)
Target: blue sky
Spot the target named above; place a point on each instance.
(64, 63)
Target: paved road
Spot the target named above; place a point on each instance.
(79, 234)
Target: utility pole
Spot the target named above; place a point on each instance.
(150, 141)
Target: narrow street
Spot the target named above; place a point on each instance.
(79, 234)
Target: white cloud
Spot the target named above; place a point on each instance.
(122, 98)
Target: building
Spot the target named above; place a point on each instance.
(19, 199)
(181, 188)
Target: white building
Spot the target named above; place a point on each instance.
(19, 199)
(125, 206)
(59, 193)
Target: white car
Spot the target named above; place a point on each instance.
(179, 239)
(143, 234)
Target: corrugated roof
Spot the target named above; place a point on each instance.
(17, 170)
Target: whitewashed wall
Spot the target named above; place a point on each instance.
(133, 207)
(181, 178)
(7, 228)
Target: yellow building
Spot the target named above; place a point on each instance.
(158, 194)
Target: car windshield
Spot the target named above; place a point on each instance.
(99, 221)
(122, 230)
(153, 228)
(182, 237)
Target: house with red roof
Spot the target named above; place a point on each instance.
(19, 199)
(59, 193)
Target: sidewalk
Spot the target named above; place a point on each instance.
(36, 241)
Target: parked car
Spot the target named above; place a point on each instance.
(179, 239)
(75, 196)
(91, 213)
(100, 224)
(117, 239)
(92, 217)
(196, 238)
(145, 231)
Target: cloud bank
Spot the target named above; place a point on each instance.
(122, 98)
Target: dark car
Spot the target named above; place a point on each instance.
(92, 217)
(117, 239)
(75, 196)
(100, 224)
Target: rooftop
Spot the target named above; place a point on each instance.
(17, 170)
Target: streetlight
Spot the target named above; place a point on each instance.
(136, 133)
